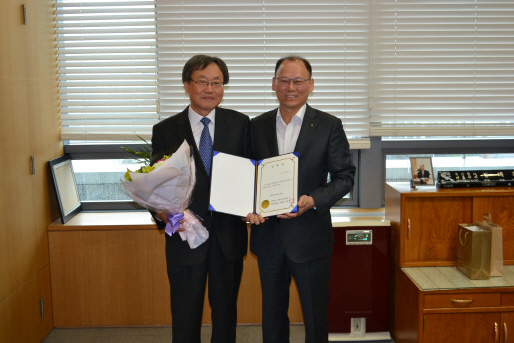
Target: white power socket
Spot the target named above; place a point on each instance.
(358, 327)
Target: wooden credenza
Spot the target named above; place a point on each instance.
(425, 225)
(109, 269)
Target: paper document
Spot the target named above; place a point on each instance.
(240, 185)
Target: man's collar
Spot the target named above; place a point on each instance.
(195, 117)
(300, 114)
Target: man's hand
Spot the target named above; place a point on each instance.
(162, 217)
(254, 219)
(305, 203)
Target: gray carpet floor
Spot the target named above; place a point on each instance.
(245, 334)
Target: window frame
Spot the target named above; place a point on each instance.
(114, 151)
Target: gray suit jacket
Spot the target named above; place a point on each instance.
(323, 148)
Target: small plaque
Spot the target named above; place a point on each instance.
(359, 237)
(475, 178)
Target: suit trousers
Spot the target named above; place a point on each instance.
(311, 278)
(187, 292)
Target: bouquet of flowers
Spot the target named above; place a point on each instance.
(166, 187)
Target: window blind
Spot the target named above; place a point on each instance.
(442, 68)
(107, 59)
(250, 36)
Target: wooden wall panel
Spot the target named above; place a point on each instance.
(249, 302)
(29, 125)
(118, 278)
(109, 278)
(46, 322)
(20, 319)
(43, 111)
(19, 315)
(11, 34)
(17, 241)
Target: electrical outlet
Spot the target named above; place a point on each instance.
(356, 324)
(358, 327)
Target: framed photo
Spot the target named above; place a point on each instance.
(422, 171)
(65, 187)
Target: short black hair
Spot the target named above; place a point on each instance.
(200, 62)
(294, 58)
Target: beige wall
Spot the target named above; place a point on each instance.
(29, 125)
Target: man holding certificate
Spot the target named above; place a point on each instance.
(299, 244)
(205, 127)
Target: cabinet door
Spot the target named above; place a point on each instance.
(500, 208)
(430, 227)
(507, 327)
(462, 328)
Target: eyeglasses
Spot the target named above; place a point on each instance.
(283, 82)
(204, 83)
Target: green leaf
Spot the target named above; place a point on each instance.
(144, 155)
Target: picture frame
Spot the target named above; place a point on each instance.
(65, 187)
(422, 171)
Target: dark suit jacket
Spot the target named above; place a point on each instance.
(422, 175)
(425, 173)
(323, 148)
(231, 136)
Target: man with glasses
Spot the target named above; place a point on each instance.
(299, 244)
(205, 126)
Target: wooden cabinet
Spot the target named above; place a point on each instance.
(454, 315)
(425, 225)
(425, 221)
(474, 300)
(431, 229)
(507, 323)
(501, 207)
(109, 269)
(461, 327)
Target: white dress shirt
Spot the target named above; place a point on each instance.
(197, 126)
(287, 134)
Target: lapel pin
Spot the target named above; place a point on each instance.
(312, 125)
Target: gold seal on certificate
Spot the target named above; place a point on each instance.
(240, 185)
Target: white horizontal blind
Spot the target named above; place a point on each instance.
(107, 57)
(443, 68)
(250, 36)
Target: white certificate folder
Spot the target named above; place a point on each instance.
(240, 185)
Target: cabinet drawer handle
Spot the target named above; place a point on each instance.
(462, 301)
(505, 331)
(408, 227)
(496, 333)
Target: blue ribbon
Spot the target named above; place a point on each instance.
(173, 222)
